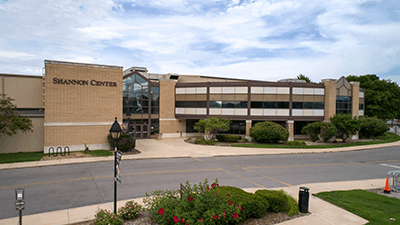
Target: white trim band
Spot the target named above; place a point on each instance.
(166, 119)
(78, 124)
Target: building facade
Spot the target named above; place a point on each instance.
(74, 103)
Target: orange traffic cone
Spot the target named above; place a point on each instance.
(386, 189)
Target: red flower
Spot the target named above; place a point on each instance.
(161, 211)
(240, 208)
(217, 195)
(201, 220)
(176, 219)
(235, 215)
(213, 184)
(189, 198)
(215, 217)
(228, 195)
(224, 214)
(230, 203)
(183, 220)
(208, 188)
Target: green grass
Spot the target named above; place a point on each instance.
(391, 138)
(36, 156)
(376, 208)
(21, 157)
(96, 153)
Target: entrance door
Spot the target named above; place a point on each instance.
(138, 131)
(141, 131)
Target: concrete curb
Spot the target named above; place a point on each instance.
(321, 212)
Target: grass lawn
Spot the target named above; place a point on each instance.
(376, 208)
(99, 153)
(21, 157)
(391, 138)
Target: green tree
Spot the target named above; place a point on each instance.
(213, 125)
(304, 77)
(323, 129)
(382, 97)
(10, 120)
(346, 125)
(265, 132)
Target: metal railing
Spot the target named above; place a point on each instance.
(394, 180)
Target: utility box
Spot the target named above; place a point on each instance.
(304, 196)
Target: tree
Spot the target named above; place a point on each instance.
(345, 125)
(382, 97)
(323, 129)
(10, 120)
(213, 125)
(304, 77)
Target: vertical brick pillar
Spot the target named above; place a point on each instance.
(290, 128)
(248, 126)
(330, 98)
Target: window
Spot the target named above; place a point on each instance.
(228, 104)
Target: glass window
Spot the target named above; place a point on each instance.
(361, 107)
(257, 105)
(155, 103)
(282, 105)
(226, 104)
(215, 104)
(201, 104)
(241, 105)
(141, 81)
(319, 105)
(270, 105)
(155, 90)
(297, 105)
(154, 111)
(155, 97)
(308, 105)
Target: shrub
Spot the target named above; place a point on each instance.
(201, 203)
(266, 131)
(126, 144)
(122, 136)
(328, 130)
(345, 125)
(297, 143)
(372, 127)
(130, 211)
(105, 217)
(203, 141)
(383, 136)
(228, 138)
(245, 140)
(325, 130)
(253, 206)
(279, 201)
(312, 130)
(190, 138)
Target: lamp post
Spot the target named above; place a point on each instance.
(115, 132)
(19, 202)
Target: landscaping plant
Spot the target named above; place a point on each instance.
(346, 125)
(212, 126)
(203, 141)
(297, 143)
(265, 132)
(228, 138)
(323, 129)
(279, 201)
(125, 144)
(130, 211)
(105, 217)
(372, 127)
(201, 204)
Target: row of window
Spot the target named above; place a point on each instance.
(139, 103)
(140, 110)
(243, 104)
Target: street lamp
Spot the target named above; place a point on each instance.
(115, 132)
(19, 202)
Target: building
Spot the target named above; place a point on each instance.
(74, 103)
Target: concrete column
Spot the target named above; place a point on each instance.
(330, 98)
(248, 126)
(355, 98)
(290, 128)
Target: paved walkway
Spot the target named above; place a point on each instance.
(178, 148)
(321, 212)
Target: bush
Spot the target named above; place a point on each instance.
(253, 206)
(228, 138)
(372, 127)
(266, 131)
(105, 217)
(126, 144)
(297, 143)
(328, 130)
(245, 140)
(130, 211)
(122, 136)
(279, 201)
(201, 203)
(325, 130)
(345, 125)
(383, 136)
(203, 141)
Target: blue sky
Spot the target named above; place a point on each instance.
(251, 39)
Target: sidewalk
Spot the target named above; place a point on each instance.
(177, 148)
(322, 213)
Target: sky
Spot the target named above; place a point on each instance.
(249, 39)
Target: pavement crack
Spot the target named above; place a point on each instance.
(94, 180)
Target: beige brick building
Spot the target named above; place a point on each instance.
(75, 103)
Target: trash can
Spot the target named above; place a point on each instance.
(304, 195)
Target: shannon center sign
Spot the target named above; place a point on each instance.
(84, 82)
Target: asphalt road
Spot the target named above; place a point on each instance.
(75, 185)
